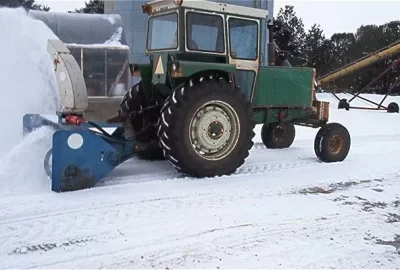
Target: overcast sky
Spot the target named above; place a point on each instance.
(333, 15)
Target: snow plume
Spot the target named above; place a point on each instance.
(28, 85)
(22, 170)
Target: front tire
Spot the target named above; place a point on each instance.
(332, 143)
(207, 129)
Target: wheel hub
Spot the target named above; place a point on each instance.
(279, 133)
(214, 130)
(336, 144)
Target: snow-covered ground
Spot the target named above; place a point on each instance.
(281, 209)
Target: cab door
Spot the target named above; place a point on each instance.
(244, 51)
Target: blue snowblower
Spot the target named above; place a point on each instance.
(83, 156)
(82, 152)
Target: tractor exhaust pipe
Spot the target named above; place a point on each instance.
(271, 45)
(276, 57)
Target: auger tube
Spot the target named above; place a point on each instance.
(358, 64)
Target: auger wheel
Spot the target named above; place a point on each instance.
(344, 104)
(207, 127)
(393, 107)
(131, 107)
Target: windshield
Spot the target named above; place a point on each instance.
(163, 32)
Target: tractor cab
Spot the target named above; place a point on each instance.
(185, 37)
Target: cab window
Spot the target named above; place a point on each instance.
(205, 32)
(163, 32)
(243, 38)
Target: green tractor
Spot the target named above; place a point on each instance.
(205, 89)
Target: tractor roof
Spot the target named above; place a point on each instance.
(164, 5)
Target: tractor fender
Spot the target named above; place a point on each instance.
(186, 69)
(214, 72)
(207, 73)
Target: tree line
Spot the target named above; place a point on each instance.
(311, 48)
(92, 6)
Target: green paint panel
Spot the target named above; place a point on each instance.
(284, 86)
(259, 117)
(190, 68)
(268, 116)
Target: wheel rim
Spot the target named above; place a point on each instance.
(214, 130)
(336, 144)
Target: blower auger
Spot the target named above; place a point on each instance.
(197, 103)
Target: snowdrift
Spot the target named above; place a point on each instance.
(28, 86)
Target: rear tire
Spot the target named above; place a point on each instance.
(207, 129)
(278, 136)
(332, 143)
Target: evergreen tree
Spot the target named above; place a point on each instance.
(27, 4)
(289, 34)
(317, 50)
(93, 7)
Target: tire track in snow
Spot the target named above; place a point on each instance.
(233, 238)
(90, 210)
(245, 169)
(66, 222)
(79, 223)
